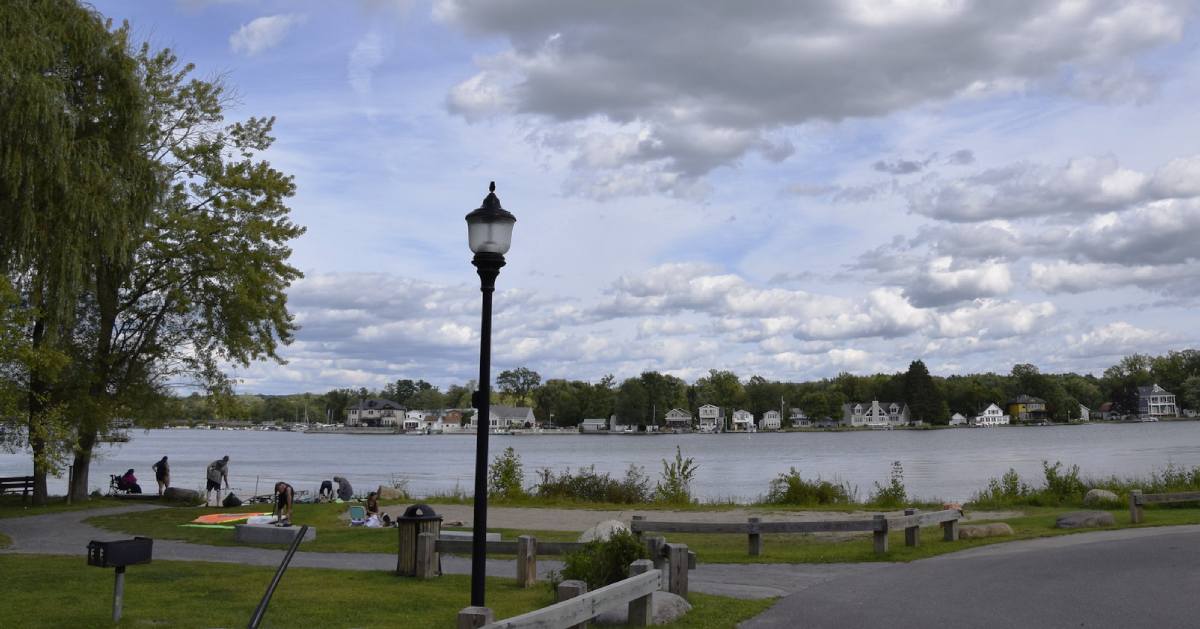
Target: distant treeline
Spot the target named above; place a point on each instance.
(647, 397)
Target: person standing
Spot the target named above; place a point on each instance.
(162, 474)
(217, 471)
(285, 496)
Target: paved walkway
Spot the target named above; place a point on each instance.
(1120, 578)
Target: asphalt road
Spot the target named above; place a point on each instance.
(1130, 578)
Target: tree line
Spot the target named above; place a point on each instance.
(646, 398)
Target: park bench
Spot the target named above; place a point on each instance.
(1137, 500)
(17, 485)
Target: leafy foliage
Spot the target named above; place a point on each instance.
(893, 494)
(506, 476)
(792, 489)
(675, 486)
(588, 486)
(600, 563)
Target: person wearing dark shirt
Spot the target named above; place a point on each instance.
(162, 474)
(325, 493)
(285, 496)
(372, 504)
(344, 490)
(217, 471)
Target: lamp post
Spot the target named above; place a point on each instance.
(489, 233)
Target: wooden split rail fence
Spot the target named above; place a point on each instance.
(1137, 500)
(754, 528)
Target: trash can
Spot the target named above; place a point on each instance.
(417, 519)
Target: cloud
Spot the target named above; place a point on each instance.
(1114, 339)
(364, 59)
(705, 83)
(1070, 277)
(262, 33)
(940, 283)
(901, 166)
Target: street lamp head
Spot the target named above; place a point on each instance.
(489, 228)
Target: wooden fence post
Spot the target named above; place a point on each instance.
(1135, 506)
(950, 530)
(755, 538)
(474, 617)
(677, 559)
(641, 610)
(654, 546)
(526, 561)
(912, 534)
(570, 589)
(634, 519)
(881, 535)
(427, 559)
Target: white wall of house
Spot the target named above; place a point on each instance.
(743, 420)
(771, 420)
(993, 415)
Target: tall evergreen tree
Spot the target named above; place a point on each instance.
(922, 396)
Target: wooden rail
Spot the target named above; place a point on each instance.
(753, 528)
(1137, 499)
(577, 606)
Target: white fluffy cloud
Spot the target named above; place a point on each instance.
(702, 83)
(262, 33)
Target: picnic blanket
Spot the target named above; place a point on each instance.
(224, 518)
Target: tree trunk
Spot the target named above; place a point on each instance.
(107, 290)
(83, 461)
(37, 405)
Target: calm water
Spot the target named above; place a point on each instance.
(949, 464)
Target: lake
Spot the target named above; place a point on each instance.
(947, 464)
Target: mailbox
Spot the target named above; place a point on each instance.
(120, 553)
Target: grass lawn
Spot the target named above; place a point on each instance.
(63, 592)
(5, 541)
(16, 507)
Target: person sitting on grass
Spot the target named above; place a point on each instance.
(285, 496)
(372, 504)
(129, 483)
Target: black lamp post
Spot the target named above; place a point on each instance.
(489, 232)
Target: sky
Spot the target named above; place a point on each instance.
(782, 188)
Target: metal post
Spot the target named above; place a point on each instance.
(118, 593)
(488, 266)
(261, 610)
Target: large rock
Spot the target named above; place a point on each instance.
(179, 494)
(665, 608)
(603, 531)
(391, 493)
(1085, 520)
(1100, 496)
(977, 531)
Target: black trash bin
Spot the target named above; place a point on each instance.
(417, 519)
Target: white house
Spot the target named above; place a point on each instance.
(993, 415)
(799, 419)
(771, 420)
(712, 418)
(743, 421)
(679, 420)
(374, 412)
(1155, 401)
(594, 425)
(1085, 413)
(503, 418)
(958, 419)
(875, 414)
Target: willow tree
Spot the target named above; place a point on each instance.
(205, 286)
(74, 182)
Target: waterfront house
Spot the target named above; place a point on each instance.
(374, 412)
(958, 419)
(594, 425)
(771, 420)
(1027, 408)
(679, 420)
(993, 415)
(799, 419)
(1085, 414)
(875, 414)
(1155, 401)
(452, 420)
(712, 418)
(743, 421)
(504, 418)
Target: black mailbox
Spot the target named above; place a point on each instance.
(120, 553)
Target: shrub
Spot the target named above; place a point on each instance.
(893, 494)
(791, 489)
(600, 563)
(588, 486)
(1006, 491)
(676, 484)
(506, 476)
(1061, 487)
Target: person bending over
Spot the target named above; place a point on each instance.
(162, 474)
(325, 493)
(217, 471)
(285, 496)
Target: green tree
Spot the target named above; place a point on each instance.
(632, 402)
(922, 396)
(1189, 393)
(74, 185)
(518, 383)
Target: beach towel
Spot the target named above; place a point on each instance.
(224, 518)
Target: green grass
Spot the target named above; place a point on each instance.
(63, 592)
(5, 541)
(719, 612)
(16, 507)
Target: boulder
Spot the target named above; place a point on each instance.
(1100, 496)
(665, 609)
(603, 531)
(1085, 520)
(179, 494)
(976, 531)
(391, 493)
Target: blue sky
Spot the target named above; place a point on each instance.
(782, 189)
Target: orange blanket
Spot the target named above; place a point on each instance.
(224, 518)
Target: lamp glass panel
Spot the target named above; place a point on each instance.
(490, 236)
